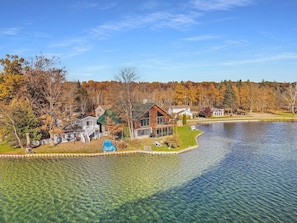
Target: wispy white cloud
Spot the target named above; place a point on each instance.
(281, 56)
(67, 42)
(152, 4)
(200, 38)
(71, 47)
(206, 5)
(157, 5)
(75, 51)
(154, 20)
(41, 35)
(12, 31)
(92, 5)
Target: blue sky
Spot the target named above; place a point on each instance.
(168, 40)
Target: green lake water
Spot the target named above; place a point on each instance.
(241, 172)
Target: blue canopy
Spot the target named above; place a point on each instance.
(108, 146)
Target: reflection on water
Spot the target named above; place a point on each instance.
(241, 171)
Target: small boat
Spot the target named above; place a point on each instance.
(107, 146)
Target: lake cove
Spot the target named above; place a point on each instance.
(242, 172)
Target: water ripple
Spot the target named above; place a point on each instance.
(240, 173)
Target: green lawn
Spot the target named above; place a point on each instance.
(186, 136)
(5, 148)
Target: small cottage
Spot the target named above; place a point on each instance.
(217, 112)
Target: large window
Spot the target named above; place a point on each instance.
(164, 131)
(143, 132)
(145, 122)
(160, 119)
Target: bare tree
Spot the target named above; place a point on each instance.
(290, 97)
(10, 122)
(125, 80)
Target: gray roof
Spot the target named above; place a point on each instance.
(140, 109)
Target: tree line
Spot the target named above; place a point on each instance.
(37, 100)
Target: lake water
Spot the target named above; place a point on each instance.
(241, 172)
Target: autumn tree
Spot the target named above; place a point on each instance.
(265, 98)
(161, 94)
(212, 94)
(11, 80)
(180, 94)
(99, 93)
(277, 90)
(11, 77)
(221, 91)
(191, 93)
(71, 106)
(125, 96)
(44, 90)
(248, 94)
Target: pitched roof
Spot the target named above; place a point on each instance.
(140, 109)
(108, 113)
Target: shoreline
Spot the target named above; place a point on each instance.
(132, 152)
(202, 121)
(255, 117)
(117, 153)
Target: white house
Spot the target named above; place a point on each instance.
(217, 112)
(181, 110)
(83, 130)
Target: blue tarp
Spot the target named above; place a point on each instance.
(108, 146)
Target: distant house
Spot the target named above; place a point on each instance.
(100, 110)
(214, 112)
(148, 120)
(106, 119)
(217, 112)
(180, 110)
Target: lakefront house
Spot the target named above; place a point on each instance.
(149, 120)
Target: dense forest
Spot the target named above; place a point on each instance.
(36, 99)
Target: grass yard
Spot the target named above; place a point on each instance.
(6, 149)
(186, 136)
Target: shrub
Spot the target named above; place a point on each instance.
(172, 141)
(121, 145)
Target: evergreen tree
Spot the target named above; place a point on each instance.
(230, 100)
(184, 119)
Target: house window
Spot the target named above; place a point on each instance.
(89, 123)
(161, 120)
(164, 131)
(145, 122)
(143, 132)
